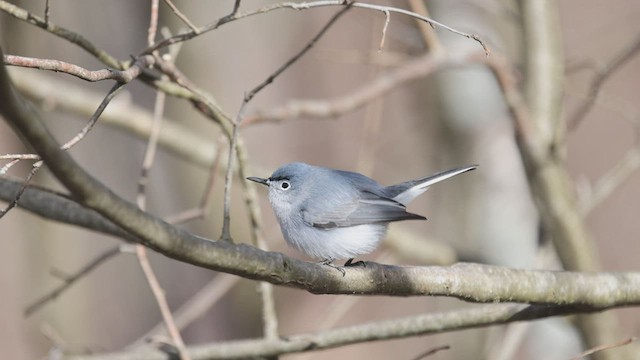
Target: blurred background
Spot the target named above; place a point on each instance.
(452, 118)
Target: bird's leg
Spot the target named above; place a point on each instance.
(329, 263)
(357, 263)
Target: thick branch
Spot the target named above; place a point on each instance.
(59, 207)
(425, 324)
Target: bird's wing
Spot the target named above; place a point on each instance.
(369, 208)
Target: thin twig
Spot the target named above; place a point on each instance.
(604, 347)
(297, 56)
(22, 189)
(195, 307)
(150, 151)
(161, 300)
(122, 76)
(228, 179)
(236, 6)
(428, 34)
(153, 22)
(94, 118)
(202, 209)
(602, 75)
(8, 165)
(610, 181)
(412, 69)
(141, 252)
(70, 280)
(47, 11)
(387, 19)
(182, 17)
(304, 6)
(19, 157)
(431, 352)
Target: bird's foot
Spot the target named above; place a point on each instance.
(329, 263)
(357, 263)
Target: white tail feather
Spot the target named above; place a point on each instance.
(411, 193)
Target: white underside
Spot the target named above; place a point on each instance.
(337, 243)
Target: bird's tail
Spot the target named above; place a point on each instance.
(409, 190)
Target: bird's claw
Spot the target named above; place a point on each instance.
(329, 262)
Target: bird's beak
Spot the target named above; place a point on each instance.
(259, 180)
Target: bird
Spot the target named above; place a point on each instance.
(331, 214)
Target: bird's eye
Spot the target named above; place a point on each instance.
(285, 185)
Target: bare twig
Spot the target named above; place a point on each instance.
(153, 22)
(387, 18)
(412, 69)
(431, 352)
(23, 187)
(610, 181)
(236, 6)
(122, 76)
(182, 17)
(8, 165)
(141, 252)
(70, 280)
(195, 307)
(303, 6)
(18, 157)
(300, 53)
(150, 151)
(604, 347)
(47, 11)
(201, 210)
(161, 300)
(228, 179)
(94, 118)
(428, 34)
(602, 75)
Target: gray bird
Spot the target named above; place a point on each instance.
(333, 214)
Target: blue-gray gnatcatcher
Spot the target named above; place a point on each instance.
(333, 214)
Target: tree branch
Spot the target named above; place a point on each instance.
(418, 325)
(123, 76)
